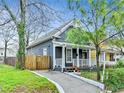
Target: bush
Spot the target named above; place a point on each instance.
(119, 64)
(115, 79)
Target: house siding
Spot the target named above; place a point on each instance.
(38, 50)
(63, 36)
(107, 56)
(93, 57)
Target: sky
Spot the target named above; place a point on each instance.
(56, 4)
(61, 6)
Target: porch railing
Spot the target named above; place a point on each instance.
(93, 62)
(74, 62)
(108, 63)
(83, 62)
(111, 63)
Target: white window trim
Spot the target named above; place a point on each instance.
(45, 51)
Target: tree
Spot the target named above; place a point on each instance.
(118, 23)
(96, 21)
(8, 36)
(24, 20)
(20, 25)
(38, 24)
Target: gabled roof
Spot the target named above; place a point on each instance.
(52, 34)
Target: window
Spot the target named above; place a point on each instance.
(74, 52)
(112, 57)
(80, 54)
(44, 51)
(58, 52)
(84, 55)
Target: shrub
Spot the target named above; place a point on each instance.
(119, 64)
(115, 79)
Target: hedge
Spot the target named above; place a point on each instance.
(115, 79)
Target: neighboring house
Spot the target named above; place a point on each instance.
(10, 53)
(64, 54)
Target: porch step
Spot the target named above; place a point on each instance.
(69, 69)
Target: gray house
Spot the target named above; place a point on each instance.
(64, 54)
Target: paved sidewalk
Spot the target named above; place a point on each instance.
(69, 83)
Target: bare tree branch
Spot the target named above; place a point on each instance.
(9, 11)
(6, 22)
(111, 36)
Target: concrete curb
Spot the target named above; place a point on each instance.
(60, 89)
(95, 83)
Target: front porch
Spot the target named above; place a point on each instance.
(67, 56)
(72, 57)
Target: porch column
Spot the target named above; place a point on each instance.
(77, 57)
(104, 66)
(54, 56)
(104, 56)
(90, 57)
(115, 57)
(63, 57)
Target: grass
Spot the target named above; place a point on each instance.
(114, 82)
(23, 81)
(89, 74)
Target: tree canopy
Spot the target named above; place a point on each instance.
(99, 18)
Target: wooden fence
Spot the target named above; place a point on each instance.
(11, 61)
(37, 62)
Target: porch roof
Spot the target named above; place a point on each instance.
(109, 49)
(72, 45)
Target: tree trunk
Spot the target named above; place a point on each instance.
(97, 60)
(21, 50)
(21, 34)
(5, 50)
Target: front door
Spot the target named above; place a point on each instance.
(68, 55)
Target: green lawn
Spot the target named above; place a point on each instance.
(89, 74)
(114, 82)
(23, 81)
